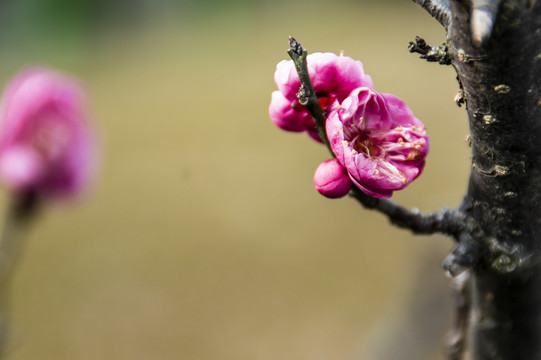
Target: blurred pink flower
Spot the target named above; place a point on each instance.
(333, 78)
(378, 140)
(45, 142)
(332, 180)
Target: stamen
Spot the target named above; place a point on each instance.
(390, 146)
(391, 171)
(414, 155)
(365, 146)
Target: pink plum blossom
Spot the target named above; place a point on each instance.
(332, 180)
(333, 78)
(378, 140)
(45, 142)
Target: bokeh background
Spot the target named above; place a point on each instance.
(203, 237)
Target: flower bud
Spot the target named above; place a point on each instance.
(332, 180)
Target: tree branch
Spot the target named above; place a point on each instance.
(446, 221)
(307, 95)
(439, 9)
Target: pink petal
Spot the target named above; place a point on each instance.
(20, 167)
(284, 116)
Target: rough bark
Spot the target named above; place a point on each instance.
(495, 48)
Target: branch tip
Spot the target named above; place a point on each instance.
(306, 94)
(295, 46)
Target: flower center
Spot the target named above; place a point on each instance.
(325, 99)
(324, 102)
(365, 146)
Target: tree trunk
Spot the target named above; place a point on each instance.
(495, 48)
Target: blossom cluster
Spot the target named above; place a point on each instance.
(378, 144)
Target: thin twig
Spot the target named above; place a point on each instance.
(307, 95)
(446, 221)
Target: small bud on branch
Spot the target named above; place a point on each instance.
(430, 53)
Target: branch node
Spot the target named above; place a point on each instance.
(468, 58)
(460, 99)
(495, 171)
(467, 255)
(303, 95)
(430, 53)
(506, 258)
(295, 46)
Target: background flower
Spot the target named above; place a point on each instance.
(45, 144)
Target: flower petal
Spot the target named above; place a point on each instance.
(284, 115)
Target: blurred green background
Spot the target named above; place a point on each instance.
(203, 237)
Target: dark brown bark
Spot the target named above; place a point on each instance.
(495, 48)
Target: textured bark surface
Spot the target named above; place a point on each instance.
(500, 74)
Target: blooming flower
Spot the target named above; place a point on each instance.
(45, 142)
(333, 78)
(331, 179)
(378, 140)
